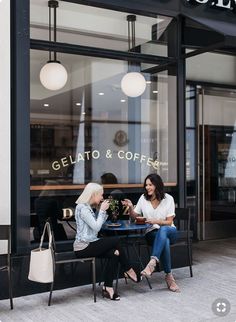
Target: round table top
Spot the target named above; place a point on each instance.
(123, 225)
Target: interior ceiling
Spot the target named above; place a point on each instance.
(83, 9)
(91, 21)
(62, 101)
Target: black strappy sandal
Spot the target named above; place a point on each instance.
(106, 294)
(127, 275)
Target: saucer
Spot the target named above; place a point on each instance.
(114, 225)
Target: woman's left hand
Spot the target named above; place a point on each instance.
(167, 222)
(153, 221)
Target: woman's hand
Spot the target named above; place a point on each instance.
(161, 222)
(151, 221)
(127, 203)
(130, 207)
(104, 205)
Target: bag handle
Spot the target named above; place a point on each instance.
(46, 226)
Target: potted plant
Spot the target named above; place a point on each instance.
(114, 208)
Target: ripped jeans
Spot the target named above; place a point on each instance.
(161, 239)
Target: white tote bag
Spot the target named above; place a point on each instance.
(41, 261)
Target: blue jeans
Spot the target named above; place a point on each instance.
(160, 239)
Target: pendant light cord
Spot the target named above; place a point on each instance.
(131, 31)
(55, 31)
(52, 4)
(50, 31)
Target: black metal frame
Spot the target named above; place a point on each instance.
(21, 101)
(99, 52)
(195, 84)
(169, 8)
(205, 85)
(182, 221)
(181, 111)
(20, 123)
(5, 234)
(70, 257)
(20, 98)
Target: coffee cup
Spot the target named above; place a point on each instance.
(140, 220)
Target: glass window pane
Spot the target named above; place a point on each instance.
(190, 106)
(190, 155)
(90, 127)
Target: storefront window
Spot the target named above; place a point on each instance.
(90, 128)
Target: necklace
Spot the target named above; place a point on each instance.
(155, 203)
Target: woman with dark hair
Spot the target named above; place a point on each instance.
(158, 208)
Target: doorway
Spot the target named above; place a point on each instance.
(216, 131)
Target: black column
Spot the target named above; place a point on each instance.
(20, 116)
(175, 34)
(181, 137)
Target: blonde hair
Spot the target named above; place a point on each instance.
(89, 190)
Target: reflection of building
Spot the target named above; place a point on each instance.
(230, 168)
(190, 128)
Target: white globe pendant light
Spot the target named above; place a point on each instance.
(53, 75)
(133, 84)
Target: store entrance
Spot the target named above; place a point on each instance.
(216, 163)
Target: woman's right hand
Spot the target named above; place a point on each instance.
(104, 205)
(127, 203)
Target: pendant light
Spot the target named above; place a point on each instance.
(53, 75)
(133, 84)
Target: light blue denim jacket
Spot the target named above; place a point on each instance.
(88, 224)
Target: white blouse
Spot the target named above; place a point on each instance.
(165, 209)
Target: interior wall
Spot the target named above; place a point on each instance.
(212, 67)
(5, 204)
(218, 110)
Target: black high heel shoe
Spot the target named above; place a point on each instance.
(106, 294)
(127, 275)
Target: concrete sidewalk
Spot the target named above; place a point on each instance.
(214, 277)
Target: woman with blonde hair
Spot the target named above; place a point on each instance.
(87, 243)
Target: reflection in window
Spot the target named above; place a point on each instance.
(91, 127)
(229, 154)
(190, 106)
(190, 155)
(191, 148)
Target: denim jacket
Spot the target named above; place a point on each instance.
(88, 224)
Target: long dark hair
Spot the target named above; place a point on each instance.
(158, 183)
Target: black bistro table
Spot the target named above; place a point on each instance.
(131, 234)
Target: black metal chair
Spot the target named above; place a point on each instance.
(70, 257)
(182, 223)
(5, 234)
